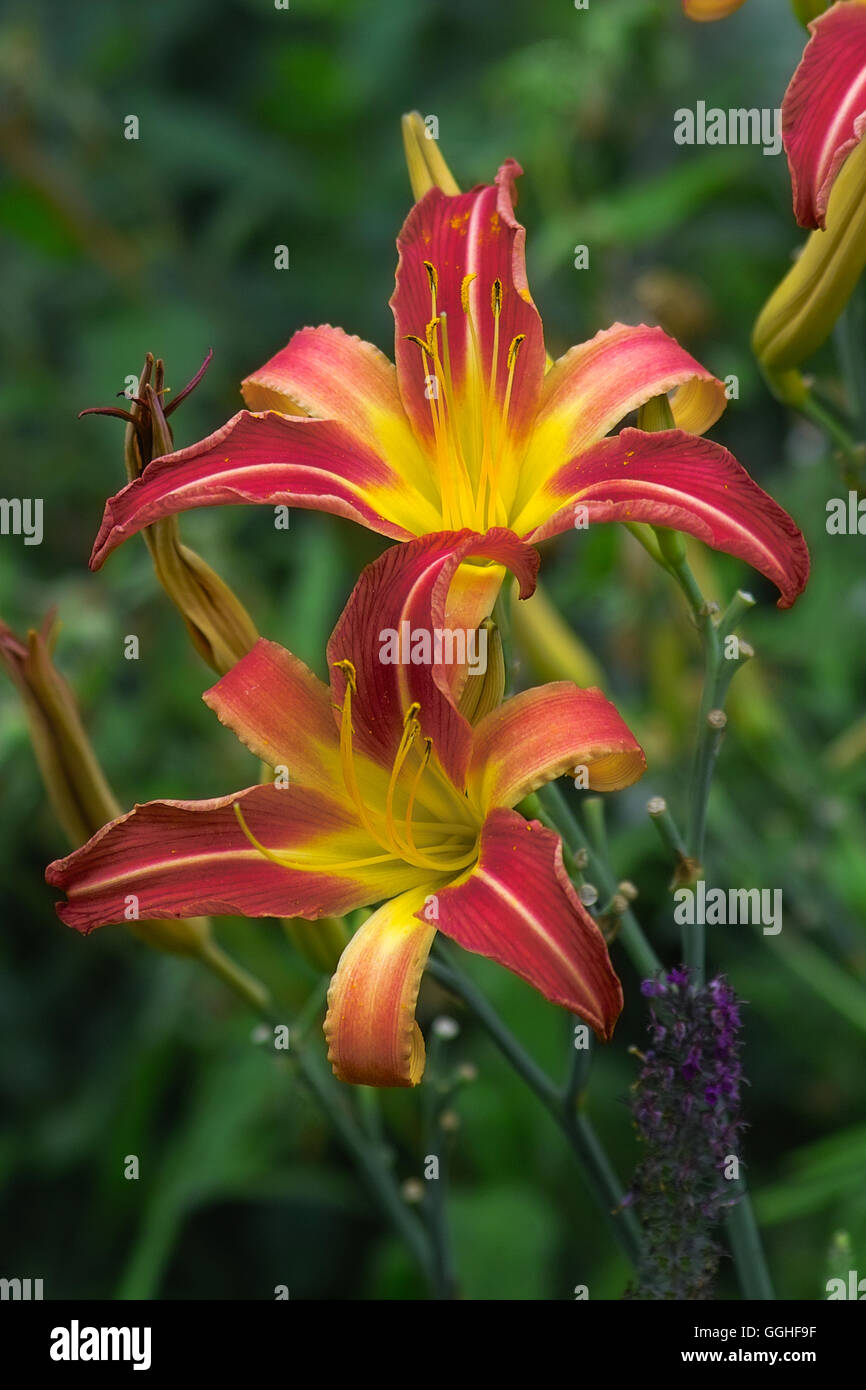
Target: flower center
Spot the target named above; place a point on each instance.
(470, 434)
(441, 845)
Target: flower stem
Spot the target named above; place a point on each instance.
(245, 985)
(558, 816)
(369, 1160)
(745, 1238)
(598, 1171)
(434, 1098)
(366, 1153)
(742, 1229)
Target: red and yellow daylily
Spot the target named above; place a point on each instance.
(706, 10)
(469, 429)
(393, 798)
(823, 123)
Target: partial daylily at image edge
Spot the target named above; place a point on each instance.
(823, 123)
(470, 429)
(393, 798)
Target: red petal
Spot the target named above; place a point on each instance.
(283, 713)
(269, 459)
(542, 733)
(474, 233)
(673, 479)
(328, 374)
(518, 907)
(824, 110)
(409, 584)
(190, 858)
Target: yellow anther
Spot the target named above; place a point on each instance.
(516, 344)
(464, 291)
(496, 298)
(413, 338)
(432, 277)
(348, 669)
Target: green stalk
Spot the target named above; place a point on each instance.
(558, 815)
(742, 1229)
(588, 1149)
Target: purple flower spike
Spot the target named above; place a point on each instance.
(686, 1111)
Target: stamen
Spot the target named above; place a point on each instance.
(463, 479)
(496, 502)
(425, 758)
(285, 861)
(346, 750)
(433, 281)
(410, 728)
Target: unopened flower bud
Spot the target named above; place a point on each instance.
(484, 690)
(801, 311)
(427, 168)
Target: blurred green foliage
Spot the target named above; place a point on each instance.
(261, 127)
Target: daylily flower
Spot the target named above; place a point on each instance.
(393, 798)
(706, 10)
(470, 430)
(823, 122)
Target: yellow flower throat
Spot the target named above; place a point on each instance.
(447, 846)
(471, 437)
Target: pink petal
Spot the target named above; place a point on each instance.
(518, 907)
(268, 459)
(191, 858)
(673, 479)
(592, 388)
(542, 733)
(330, 375)
(824, 110)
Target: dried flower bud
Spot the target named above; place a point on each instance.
(219, 626)
(75, 784)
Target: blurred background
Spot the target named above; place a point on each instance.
(260, 127)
